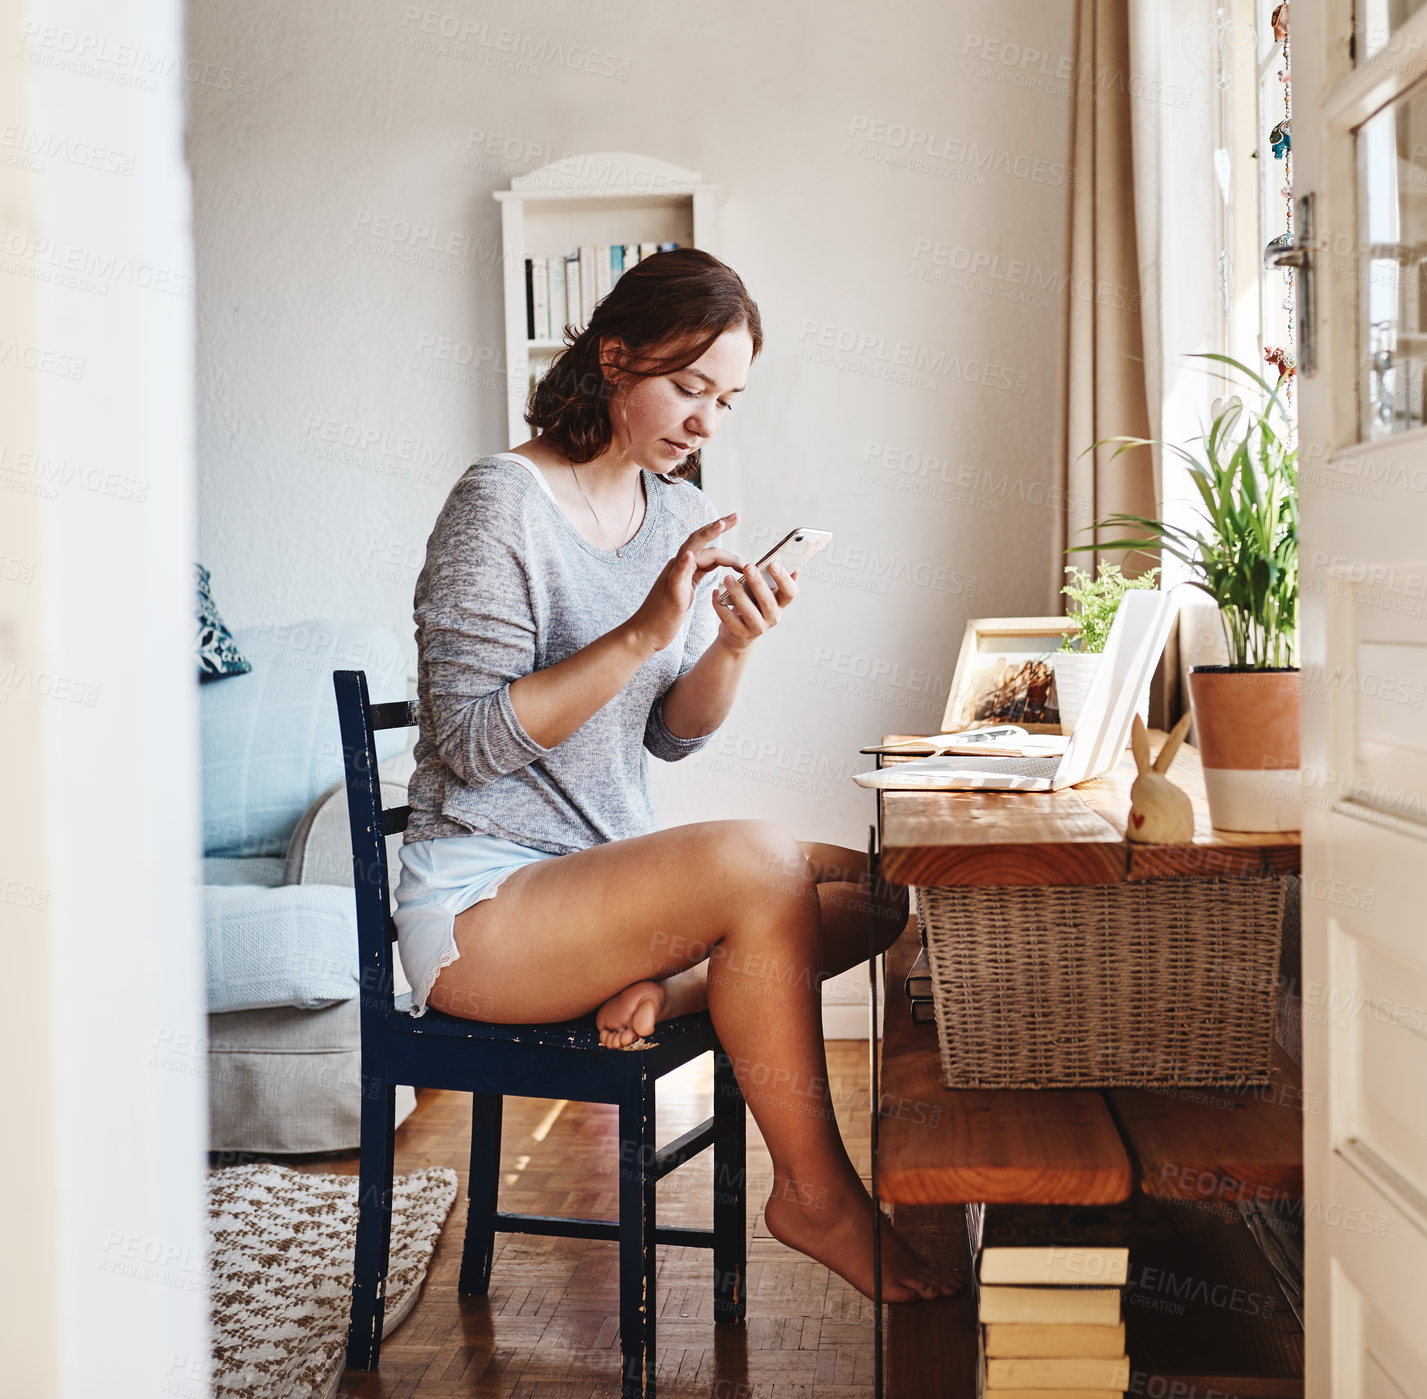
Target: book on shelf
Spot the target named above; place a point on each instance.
(923, 1011)
(1052, 1306)
(1062, 1372)
(1049, 1280)
(1055, 1265)
(1048, 1393)
(573, 315)
(918, 985)
(540, 283)
(558, 299)
(588, 296)
(604, 279)
(1027, 1339)
(1040, 1245)
(561, 291)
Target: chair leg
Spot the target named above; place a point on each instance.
(482, 1195)
(374, 1184)
(730, 1211)
(637, 1297)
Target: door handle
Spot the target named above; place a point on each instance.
(1296, 252)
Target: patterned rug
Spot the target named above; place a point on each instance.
(280, 1246)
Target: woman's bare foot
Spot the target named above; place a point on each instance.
(631, 1014)
(835, 1228)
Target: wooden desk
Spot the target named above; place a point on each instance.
(1203, 1146)
(1075, 836)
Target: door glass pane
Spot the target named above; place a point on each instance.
(1375, 21)
(1392, 207)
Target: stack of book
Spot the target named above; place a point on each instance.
(1049, 1282)
(561, 291)
(919, 990)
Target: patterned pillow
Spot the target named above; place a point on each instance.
(218, 654)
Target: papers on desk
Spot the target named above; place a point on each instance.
(1008, 758)
(1027, 773)
(1004, 740)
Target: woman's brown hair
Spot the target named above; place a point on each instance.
(667, 310)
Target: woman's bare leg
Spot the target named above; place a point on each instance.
(564, 935)
(843, 897)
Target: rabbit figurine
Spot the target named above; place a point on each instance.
(1160, 812)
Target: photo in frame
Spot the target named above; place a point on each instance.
(1003, 673)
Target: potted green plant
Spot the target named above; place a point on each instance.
(1093, 603)
(1243, 552)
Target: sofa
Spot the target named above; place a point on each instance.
(280, 935)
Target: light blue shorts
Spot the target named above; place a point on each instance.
(439, 879)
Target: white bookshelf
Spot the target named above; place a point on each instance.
(602, 198)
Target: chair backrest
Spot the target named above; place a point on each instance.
(361, 721)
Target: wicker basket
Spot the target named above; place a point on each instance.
(1170, 982)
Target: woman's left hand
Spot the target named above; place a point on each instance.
(753, 609)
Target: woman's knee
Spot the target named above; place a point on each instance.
(760, 861)
(891, 909)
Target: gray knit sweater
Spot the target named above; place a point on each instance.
(510, 586)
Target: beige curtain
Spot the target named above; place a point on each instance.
(1108, 389)
(1104, 373)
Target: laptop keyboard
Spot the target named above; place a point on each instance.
(1021, 767)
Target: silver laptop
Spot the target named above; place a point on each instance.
(1132, 651)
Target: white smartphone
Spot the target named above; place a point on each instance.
(792, 551)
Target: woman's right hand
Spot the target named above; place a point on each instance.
(662, 613)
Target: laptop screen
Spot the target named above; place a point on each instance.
(1132, 651)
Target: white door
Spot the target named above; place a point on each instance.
(1360, 152)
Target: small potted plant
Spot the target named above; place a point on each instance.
(1243, 552)
(1093, 603)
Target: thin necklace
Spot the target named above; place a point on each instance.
(634, 505)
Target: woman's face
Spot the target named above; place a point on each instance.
(658, 421)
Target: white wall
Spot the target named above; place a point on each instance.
(105, 1287)
(856, 149)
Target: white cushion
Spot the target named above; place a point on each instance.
(270, 738)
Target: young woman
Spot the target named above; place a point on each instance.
(568, 626)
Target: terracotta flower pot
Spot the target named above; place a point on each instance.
(1246, 726)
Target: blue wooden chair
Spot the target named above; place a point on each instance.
(542, 1061)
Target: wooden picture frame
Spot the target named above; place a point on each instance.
(992, 648)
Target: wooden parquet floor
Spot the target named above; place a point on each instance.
(549, 1328)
